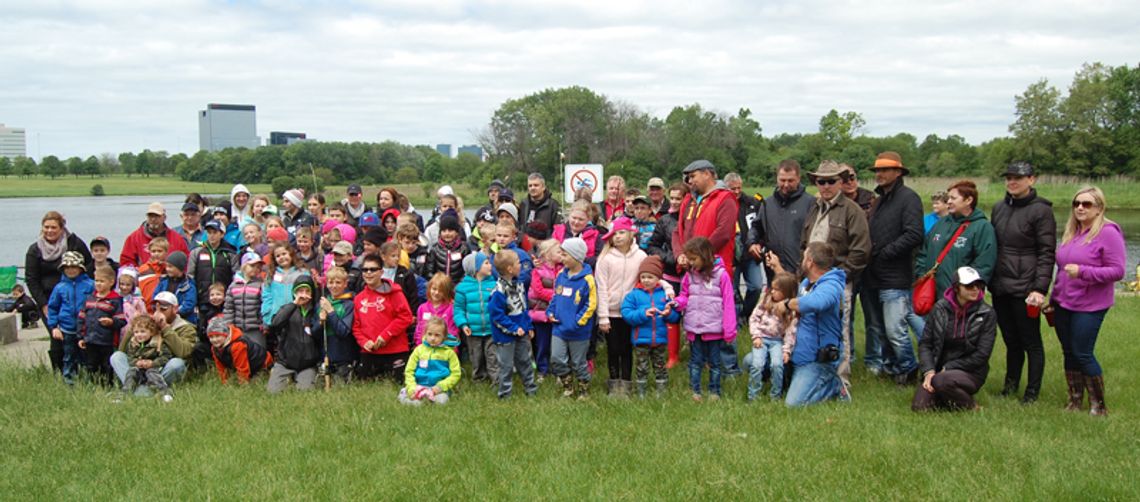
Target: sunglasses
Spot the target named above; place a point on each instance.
(370, 270)
(828, 181)
(1087, 204)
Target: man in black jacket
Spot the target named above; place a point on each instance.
(538, 205)
(896, 231)
(780, 221)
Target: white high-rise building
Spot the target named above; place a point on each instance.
(13, 142)
(226, 126)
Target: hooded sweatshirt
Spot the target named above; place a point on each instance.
(958, 337)
(431, 366)
(820, 316)
(574, 307)
(382, 314)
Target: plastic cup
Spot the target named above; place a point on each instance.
(1032, 310)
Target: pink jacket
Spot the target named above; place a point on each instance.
(542, 289)
(766, 324)
(133, 305)
(1100, 264)
(427, 311)
(709, 305)
(616, 275)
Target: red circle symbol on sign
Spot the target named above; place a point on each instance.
(584, 179)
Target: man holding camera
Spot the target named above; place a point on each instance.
(819, 334)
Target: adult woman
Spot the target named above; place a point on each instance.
(954, 352)
(316, 207)
(41, 267)
(1027, 239)
(578, 225)
(1090, 259)
(975, 247)
(386, 199)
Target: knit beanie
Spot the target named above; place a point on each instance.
(294, 196)
(576, 248)
(278, 235)
(651, 265)
(376, 236)
(177, 260)
(473, 262)
(449, 221)
(304, 281)
(129, 270)
(217, 326)
(347, 233)
(538, 230)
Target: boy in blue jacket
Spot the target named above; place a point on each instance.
(573, 313)
(336, 313)
(175, 280)
(64, 305)
(511, 328)
(648, 310)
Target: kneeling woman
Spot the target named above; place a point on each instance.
(954, 352)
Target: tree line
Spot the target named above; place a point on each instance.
(1092, 131)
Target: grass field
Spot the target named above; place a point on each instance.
(70, 186)
(217, 442)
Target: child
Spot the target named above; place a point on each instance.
(643, 221)
(100, 251)
(215, 306)
(310, 257)
(511, 329)
(175, 280)
(440, 303)
(133, 304)
(299, 336)
(446, 254)
(151, 271)
(99, 324)
(66, 302)
(471, 298)
(336, 314)
(25, 306)
(572, 313)
(278, 289)
(647, 309)
(388, 219)
(232, 351)
(215, 260)
(506, 236)
(380, 322)
(482, 239)
(432, 370)
(343, 259)
(409, 238)
(146, 355)
(773, 337)
(243, 300)
(616, 276)
(393, 271)
(710, 313)
(546, 267)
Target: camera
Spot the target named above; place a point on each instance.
(827, 354)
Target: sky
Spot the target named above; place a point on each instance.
(100, 76)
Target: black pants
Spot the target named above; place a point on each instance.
(1022, 337)
(374, 366)
(97, 360)
(619, 350)
(953, 389)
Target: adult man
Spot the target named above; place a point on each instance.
(295, 216)
(853, 191)
(539, 205)
(819, 333)
(896, 231)
(657, 203)
(191, 228)
(354, 205)
(747, 266)
(177, 334)
(841, 223)
(780, 221)
(492, 204)
(614, 205)
(135, 248)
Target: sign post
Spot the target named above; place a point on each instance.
(579, 176)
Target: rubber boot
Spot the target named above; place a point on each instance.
(641, 384)
(611, 388)
(673, 331)
(583, 390)
(1076, 383)
(1095, 385)
(567, 382)
(662, 389)
(624, 387)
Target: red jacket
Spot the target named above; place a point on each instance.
(134, 249)
(383, 315)
(244, 357)
(714, 218)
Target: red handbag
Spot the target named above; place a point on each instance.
(924, 293)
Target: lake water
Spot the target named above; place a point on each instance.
(117, 217)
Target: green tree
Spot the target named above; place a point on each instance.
(6, 166)
(406, 175)
(53, 167)
(1037, 126)
(91, 166)
(145, 163)
(25, 167)
(75, 166)
(127, 163)
(839, 129)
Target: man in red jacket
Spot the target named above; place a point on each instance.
(709, 211)
(380, 323)
(135, 248)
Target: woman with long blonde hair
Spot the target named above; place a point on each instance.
(1090, 259)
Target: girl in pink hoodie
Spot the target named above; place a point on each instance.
(441, 300)
(546, 268)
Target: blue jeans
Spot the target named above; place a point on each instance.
(543, 331)
(814, 383)
(728, 359)
(1077, 332)
(72, 357)
(172, 372)
(705, 352)
(771, 354)
(888, 316)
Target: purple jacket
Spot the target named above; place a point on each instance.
(1101, 264)
(709, 305)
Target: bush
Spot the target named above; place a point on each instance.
(97, 190)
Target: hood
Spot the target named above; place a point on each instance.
(977, 215)
(785, 200)
(836, 274)
(586, 270)
(393, 212)
(238, 188)
(961, 312)
(388, 287)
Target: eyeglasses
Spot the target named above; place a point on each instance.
(828, 181)
(1087, 204)
(370, 270)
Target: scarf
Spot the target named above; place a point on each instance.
(52, 251)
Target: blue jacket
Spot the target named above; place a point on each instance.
(575, 305)
(187, 294)
(821, 316)
(66, 302)
(342, 347)
(94, 309)
(509, 312)
(278, 292)
(526, 264)
(430, 366)
(647, 330)
(472, 298)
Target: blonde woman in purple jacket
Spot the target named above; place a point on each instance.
(1090, 259)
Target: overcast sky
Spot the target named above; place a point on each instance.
(102, 76)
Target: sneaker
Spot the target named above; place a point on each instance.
(166, 398)
(590, 366)
(697, 398)
(714, 398)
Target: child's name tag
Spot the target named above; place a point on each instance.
(308, 331)
(456, 255)
(427, 315)
(203, 257)
(567, 292)
(423, 363)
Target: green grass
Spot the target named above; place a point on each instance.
(70, 186)
(357, 442)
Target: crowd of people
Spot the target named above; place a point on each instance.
(310, 291)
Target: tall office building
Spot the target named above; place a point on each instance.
(473, 149)
(444, 149)
(285, 138)
(13, 142)
(225, 126)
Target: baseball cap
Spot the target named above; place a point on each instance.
(190, 206)
(214, 224)
(166, 297)
(354, 189)
(967, 275)
(156, 208)
(655, 183)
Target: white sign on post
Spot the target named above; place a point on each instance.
(579, 176)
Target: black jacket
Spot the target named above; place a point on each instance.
(207, 266)
(748, 210)
(42, 275)
(661, 242)
(1026, 245)
(780, 224)
(446, 259)
(896, 233)
(969, 351)
(545, 210)
(299, 337)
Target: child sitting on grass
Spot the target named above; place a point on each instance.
(147, 354)
(234, 352)
(511, 329)
(433, 368)
(773, 337)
